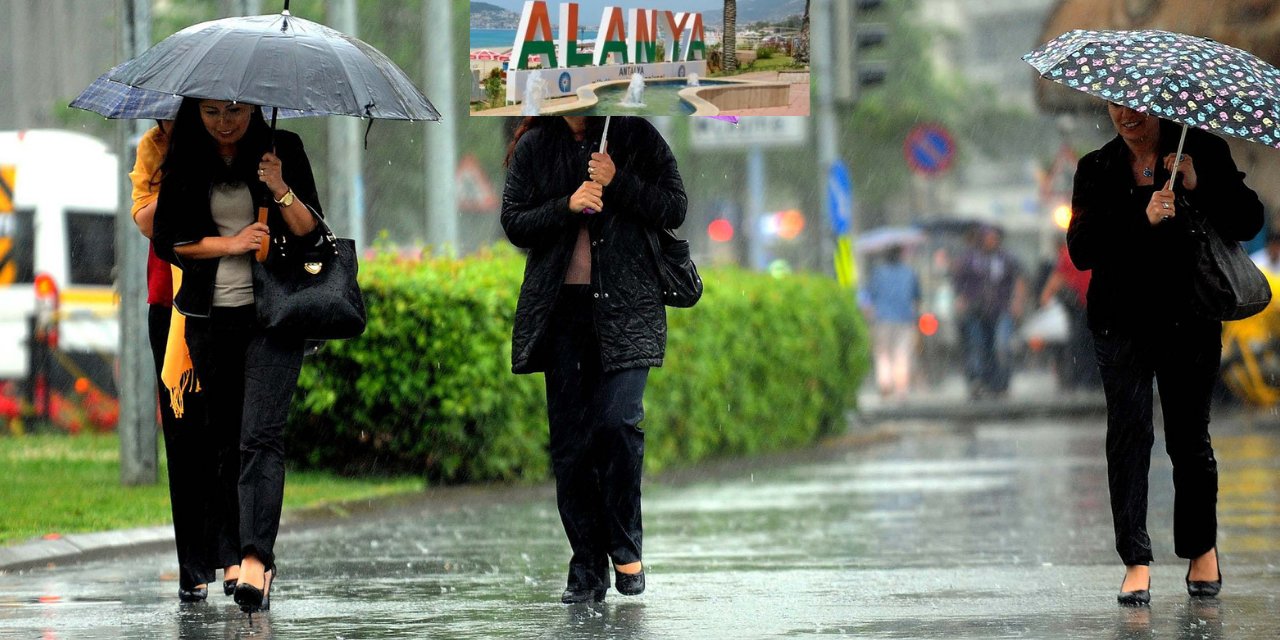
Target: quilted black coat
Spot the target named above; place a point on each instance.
(646, 194)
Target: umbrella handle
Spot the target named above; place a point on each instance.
(1178, 158)
(265, 247)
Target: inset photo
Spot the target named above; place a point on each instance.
(639, 57)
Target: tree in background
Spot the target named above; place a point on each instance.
(802, 52)
(729, 44)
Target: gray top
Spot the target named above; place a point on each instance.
(232, 207)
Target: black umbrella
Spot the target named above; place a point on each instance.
(278, 61)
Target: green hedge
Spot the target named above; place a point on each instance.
(760, 364)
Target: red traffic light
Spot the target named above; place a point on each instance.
(720, 230)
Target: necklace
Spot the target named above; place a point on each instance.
(1146, 172)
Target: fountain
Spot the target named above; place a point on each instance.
(693, 80)
(635, 92)
(535, 92)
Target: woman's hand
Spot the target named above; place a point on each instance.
(601, 169)
(269, 172)
(1161, 207)
(588, 196)
(248, 240)
(1186, 169)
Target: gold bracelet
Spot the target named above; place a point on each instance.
(286, 199)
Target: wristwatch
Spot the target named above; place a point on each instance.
(286, 199)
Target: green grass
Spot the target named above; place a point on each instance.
(66, 484)
(778, 62)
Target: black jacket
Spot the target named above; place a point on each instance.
(1142, 274)
(646, 195)
(183, 217)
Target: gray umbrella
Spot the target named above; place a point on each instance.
(279, 61)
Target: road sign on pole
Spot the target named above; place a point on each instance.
(929, 149)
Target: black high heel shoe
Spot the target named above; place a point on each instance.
(574, 596)
(1204, 588)
(629, 584)
(1139, 598)
(229, 586)
(197, 594)
(252, 599)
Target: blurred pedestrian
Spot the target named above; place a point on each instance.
(590, 316)
(1268, 257)
(222, 160)
(990, 295)
(1129, 227)
(1069, 287)
(893, 302)
(193, 497)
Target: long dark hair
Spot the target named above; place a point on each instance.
(554, 124)
(193, 153)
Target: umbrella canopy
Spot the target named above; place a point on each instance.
(885, 238)
(1190, 80)
(121, 101)
(279, 61)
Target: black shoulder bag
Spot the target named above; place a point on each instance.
(314, 294)
(1227, 285)
(678, 276)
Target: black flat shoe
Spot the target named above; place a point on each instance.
(628, 584)
(574, 596)
(1139, 598)
(193, 595)
(1204, 588)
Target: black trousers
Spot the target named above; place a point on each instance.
(597, 446)
(193, 497)
(1184, 360)
(249, 377)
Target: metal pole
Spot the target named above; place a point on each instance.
(441, 138)
(137, 379)
(823, 64)
(346, 156)
(755, 209)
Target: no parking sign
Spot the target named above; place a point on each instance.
(929, 149)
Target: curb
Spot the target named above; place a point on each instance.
(83, 547)
(1021, 409)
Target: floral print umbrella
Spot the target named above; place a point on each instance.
(1190, 80)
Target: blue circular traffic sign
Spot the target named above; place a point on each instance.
(929, 149)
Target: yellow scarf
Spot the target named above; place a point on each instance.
(178, 374)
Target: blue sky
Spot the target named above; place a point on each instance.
(592, 8)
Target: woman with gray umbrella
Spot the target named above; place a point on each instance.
(1129, 226)
(590, 315)
(223, 159)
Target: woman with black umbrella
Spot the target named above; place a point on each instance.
(591, 316)
(222, 160)
(1129, 227)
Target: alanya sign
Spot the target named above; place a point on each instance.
(626, 43)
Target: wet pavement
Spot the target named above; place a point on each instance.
(994, 529)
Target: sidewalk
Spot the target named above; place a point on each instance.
(1031, 394)
(798, 105)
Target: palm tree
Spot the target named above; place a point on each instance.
(729, 44)
(802, 52)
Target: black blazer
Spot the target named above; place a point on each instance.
(646, 195)
(183, 217)
(1142, 274)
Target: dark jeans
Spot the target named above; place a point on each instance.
(597, 446)
(985, 347)
(1183, 359)
(193, 497)
(248, 377)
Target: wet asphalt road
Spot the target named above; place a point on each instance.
(988, 530)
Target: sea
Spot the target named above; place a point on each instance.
(506, 38)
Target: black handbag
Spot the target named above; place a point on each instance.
(314, 294)
(1227, 285)
(678, 276)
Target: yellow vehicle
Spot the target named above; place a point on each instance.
(1251, 353)
(59, 193)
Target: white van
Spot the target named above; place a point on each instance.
(58, 205)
